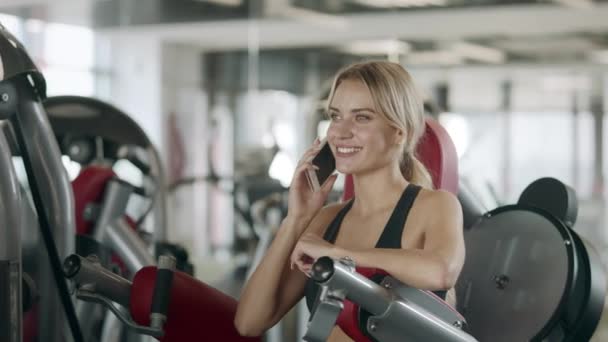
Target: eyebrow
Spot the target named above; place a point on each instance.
(356, 110)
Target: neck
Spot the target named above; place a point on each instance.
(378, 189)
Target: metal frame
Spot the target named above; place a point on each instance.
(11, 226)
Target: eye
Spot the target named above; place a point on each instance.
(333, 116)
(363, 117)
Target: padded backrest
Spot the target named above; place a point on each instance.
(437, 152)
(89, 188)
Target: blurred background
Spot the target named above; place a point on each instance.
(231, 92)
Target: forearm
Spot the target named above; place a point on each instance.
(414, 267)
(261, 295)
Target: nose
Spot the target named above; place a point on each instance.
(341, 130)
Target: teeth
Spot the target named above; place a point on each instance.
(349, 149)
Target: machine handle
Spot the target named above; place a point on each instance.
(93, 297)
(162, 291)
(322, 269)
(89, 275)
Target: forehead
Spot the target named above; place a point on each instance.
(352, 93)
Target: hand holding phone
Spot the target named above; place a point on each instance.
(326, 163)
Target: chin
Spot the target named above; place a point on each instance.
(347, 169)
(343, 169)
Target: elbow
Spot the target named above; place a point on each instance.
(448, 281)
(245, 328)
(448, 276)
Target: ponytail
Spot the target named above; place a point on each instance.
(415, 172)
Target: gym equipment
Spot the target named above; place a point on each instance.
(185, 302)
(11, 224)
(30, 133)
(29, 118)
(21, 90)
(525, 261)
(396, 312)
(96, 135)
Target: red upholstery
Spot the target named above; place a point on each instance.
(88, 188)
(197, 312)
(437, 152)
(348, 320)
(30, 325)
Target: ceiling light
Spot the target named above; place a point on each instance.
(581, 4)
(599, 56)
(401, 3)
(437, 57)
(478, 52)
(376, 47)
(230, 3)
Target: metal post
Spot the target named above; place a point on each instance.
(506, 144)
(597, 111)
(11, 225)
(575, 140)
(56, 195)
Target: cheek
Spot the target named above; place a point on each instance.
(373, 138)
(381, 148)
(331, 130)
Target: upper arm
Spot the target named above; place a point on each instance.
(443, 229)
(293, 280)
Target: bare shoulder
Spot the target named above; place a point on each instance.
(437, 204)
(324, 218)
(438, 198)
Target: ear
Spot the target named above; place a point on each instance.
(399, 136)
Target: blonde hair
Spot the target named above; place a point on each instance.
(396, 98)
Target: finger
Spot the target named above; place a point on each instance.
(302, 168)
(301, 266)
(314, 148)
(308, 271)
(305, 167)
(309, 154)
(295, 255)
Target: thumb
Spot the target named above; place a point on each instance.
(329, 184)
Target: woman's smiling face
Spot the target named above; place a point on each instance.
(361, 138)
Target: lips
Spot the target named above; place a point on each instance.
(345, 151)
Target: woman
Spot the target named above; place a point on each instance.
(396, 222)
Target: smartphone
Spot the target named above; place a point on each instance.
(326, 163)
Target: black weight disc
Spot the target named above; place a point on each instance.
(552, 196)
(518, 273)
